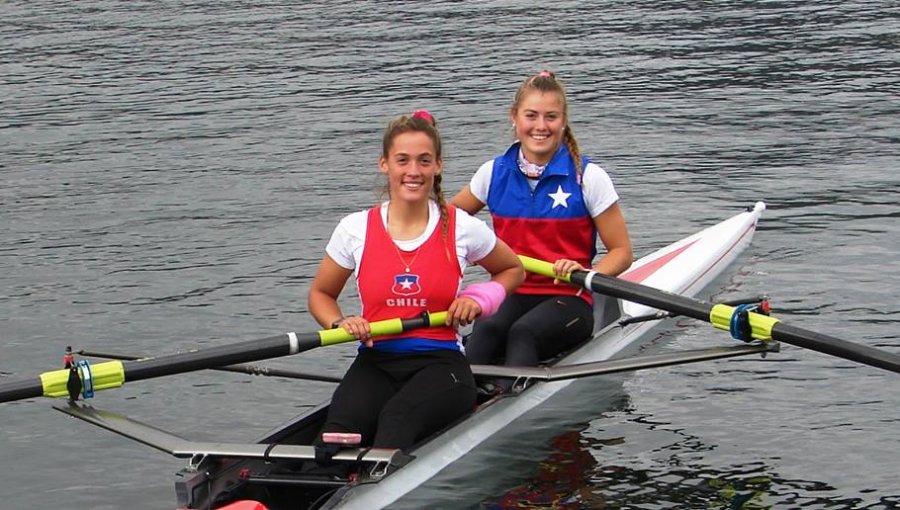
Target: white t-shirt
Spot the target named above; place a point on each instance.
(474, 239)
(597, 187)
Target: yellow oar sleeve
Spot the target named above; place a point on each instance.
(760, 325)
(109, 374)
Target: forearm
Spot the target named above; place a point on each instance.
(510, 278)
(324, 291)
(485, 298)
(466, 201)
(324, 308)
(504, 266)
(614, 262)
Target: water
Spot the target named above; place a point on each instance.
(171, 173)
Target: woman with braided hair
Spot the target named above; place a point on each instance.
(547, 201)
(408, 255)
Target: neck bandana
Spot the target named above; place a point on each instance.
(528, 168)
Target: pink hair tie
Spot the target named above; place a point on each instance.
(488, 295)
(544, 73)
(424, 115)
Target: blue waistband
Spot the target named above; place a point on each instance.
(400, 345)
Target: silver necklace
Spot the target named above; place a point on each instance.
(406, 265)
(409, 264)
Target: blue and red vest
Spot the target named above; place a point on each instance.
(549, 223)
(387, 290)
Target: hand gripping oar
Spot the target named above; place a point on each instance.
(762, 326)
(112, 374)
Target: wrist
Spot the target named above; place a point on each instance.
(337, 322)
(489, 296)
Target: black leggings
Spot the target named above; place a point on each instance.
(393, 400)
(529, 328)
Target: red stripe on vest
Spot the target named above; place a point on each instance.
(549, 240)
(388, 291)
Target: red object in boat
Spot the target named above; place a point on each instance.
(244, 504)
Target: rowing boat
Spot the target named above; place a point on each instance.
(238, 476)
(264, 474)
(232, 475)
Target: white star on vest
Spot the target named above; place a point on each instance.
(406, 284)
(559, 198)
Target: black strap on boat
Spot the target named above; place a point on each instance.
(324, 452)
(268, 451)
(362, 453)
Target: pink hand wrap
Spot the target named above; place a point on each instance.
(488, 295)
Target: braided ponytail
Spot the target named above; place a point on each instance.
(574, 151)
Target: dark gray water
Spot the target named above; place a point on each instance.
(171, 172)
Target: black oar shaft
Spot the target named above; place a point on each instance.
(643, 294)
(836, 347)
(21, 389)
(241, 352)
(701, 310)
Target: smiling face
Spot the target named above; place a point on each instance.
(411, 165)
(540, 119)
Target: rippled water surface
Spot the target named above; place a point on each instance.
(171, 172)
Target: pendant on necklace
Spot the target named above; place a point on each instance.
(406, 264)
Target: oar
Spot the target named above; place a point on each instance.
(719, 315)
(239, 369)
(112, 374)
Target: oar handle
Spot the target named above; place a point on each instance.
(385, 328)
(541, 267)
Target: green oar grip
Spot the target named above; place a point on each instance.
(384, 328)
(541, 267)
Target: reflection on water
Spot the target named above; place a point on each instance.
(583, 470)
(562, 480)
